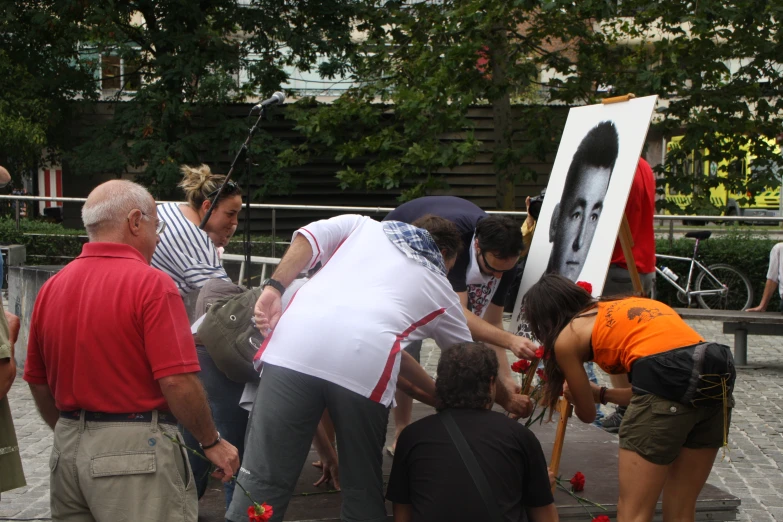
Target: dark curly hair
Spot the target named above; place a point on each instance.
(465, 372)
(443, 232)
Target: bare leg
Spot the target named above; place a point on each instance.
(687, 476)
(328, 429)
(641, 483)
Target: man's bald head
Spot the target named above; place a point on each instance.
(5, 177)
(109, 204)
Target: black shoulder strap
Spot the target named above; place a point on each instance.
(469, 458)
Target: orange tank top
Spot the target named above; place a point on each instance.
(631, 328)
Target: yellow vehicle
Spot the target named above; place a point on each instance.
(766, 203)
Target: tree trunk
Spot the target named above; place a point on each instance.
(501, 115)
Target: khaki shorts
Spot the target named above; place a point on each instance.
(656, 428)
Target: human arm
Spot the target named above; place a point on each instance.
(310, 245)
(402, 512)
(546, 513)
(5, 177)
(44, 401)
(769, 290)
(487, 332)
(415, 374)
(186, 398)
(569, 346)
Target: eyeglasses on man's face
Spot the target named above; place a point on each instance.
(493, 269)
(160, 225)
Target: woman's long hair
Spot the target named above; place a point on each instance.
(550, 305)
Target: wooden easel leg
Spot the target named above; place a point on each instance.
(564, 408)
(626, 242)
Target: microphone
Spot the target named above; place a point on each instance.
(277, 97)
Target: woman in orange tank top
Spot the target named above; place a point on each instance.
(680, 402)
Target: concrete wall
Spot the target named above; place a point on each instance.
(24, 282)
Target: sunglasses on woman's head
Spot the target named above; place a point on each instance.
(231, 187)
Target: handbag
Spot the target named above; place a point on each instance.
(469, 458)
(226, 329)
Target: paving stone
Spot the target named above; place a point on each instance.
(751, 469)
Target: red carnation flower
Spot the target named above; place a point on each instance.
(259, 513)
(540, 373)
(521, 366)
(577, 481)
(540, 352)
(586, 286)
(601, 518)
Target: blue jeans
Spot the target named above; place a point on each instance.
(223, 395)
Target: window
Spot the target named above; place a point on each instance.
(116, 72)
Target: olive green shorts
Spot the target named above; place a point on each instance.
(656, 428)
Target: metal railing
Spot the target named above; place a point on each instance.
(670, 218)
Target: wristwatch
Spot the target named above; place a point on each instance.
(274, 283)
(206, 447)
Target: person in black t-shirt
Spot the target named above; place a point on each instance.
(429, 481)
(481, 277)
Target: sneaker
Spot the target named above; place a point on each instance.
(613, 421)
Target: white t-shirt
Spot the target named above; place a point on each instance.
(775, 272)
(349, 322)
(481, 287)
(185, 252)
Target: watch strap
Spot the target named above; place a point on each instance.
(274, 283)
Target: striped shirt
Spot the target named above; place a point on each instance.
(185, 252)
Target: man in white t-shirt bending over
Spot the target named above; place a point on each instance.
(339, 345)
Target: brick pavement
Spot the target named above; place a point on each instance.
(753, 469)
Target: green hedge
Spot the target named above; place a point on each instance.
(743, 249)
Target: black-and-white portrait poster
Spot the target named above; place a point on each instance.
(586, 194)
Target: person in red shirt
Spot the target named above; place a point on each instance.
(639, 210)
(112, 367)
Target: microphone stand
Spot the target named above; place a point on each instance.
(242, 149)
(246, 150)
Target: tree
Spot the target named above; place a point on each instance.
(182, 64)
(423, 64)
(39, 77)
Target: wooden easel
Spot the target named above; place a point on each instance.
(565, 408)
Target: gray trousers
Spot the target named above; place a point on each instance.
(285, 416)
(618, 282)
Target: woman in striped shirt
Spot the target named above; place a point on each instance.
(191, 257)
(185, 252)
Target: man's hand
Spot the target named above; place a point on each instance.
(508, 396)
(268, 310)
(522, 347)
(226, 457)
(13, 325)
(759, 308)
(331, 473)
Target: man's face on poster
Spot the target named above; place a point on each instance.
(575, 219)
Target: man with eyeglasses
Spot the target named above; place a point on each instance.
(481, 277)
(112, 367)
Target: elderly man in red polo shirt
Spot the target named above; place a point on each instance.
(111, 364)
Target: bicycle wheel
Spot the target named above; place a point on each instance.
(740, 292)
